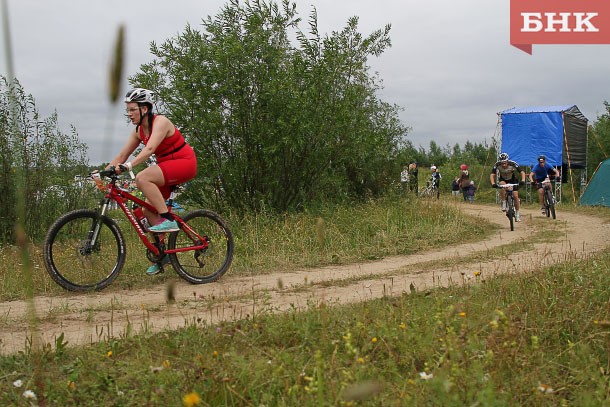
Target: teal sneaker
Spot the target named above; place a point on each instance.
(165, 226)
(155, 269)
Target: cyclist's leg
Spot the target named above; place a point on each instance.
(516, 199)
(149, 181)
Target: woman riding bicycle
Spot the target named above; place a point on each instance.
(506, 171)
(176, 160)
(539, 173)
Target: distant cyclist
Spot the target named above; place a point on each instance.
(505, 172)
(539, 173)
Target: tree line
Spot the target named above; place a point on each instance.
(280, 119)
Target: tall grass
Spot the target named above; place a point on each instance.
(539, 339)
(268, 242)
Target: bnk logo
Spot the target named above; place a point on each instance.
(559, 22)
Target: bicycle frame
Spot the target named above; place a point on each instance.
(121, 197)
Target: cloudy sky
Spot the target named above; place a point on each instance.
(451, 67)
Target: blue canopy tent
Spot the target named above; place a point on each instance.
(558, 132)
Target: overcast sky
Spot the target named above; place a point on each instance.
(451, 67)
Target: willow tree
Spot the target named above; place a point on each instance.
(279, 118)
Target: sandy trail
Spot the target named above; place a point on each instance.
(88, 318)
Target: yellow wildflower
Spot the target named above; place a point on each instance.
(109, 354)
(374, 340)
(191, 399)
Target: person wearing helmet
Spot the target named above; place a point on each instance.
(464, 181)
(176, 160)
(435, 180)
(539, 173)
(505, 171)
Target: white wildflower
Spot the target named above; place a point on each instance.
(29, 394)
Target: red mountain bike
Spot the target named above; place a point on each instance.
(84, 250)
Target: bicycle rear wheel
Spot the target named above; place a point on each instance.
(76, 263)
(209, 264)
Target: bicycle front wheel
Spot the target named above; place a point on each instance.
(84, 251)
(510, 212)
(550, 205)
(209, 264)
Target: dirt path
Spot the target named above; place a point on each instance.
(89, 318)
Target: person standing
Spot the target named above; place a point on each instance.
(471, 191)
(435, 181)
(464, 181)
(404, 179)
(455, 187)
(413, 171)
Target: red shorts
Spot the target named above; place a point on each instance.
(177, 168)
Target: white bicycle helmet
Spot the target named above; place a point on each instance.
(433, 167)
(503, 157)
(140, 95)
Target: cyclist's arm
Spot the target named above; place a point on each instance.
(532, 180)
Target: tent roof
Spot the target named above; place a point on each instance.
(569, 109)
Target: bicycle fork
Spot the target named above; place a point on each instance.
(96, 225)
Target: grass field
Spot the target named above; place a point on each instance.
(540, 339)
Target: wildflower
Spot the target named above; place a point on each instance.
(493, 324)
(374, 340)
(402, 325)
(18, 383)
(109, 354)
(215, 354)
(361, 360)
(477, 273)
(166, 364)
(29, 394)
(462, 314)
(543, 388)
(191, 399)
(425, 376)
(71, 385)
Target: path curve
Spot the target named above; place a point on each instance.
(88, 318)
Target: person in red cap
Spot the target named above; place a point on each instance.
(464, 181)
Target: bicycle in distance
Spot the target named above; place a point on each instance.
(85, 250)
(548, 198)
(510, 203)
(430, 191)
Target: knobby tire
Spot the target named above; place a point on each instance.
(510, 212)
(72, 262)
(550, 205)
(208, 265)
